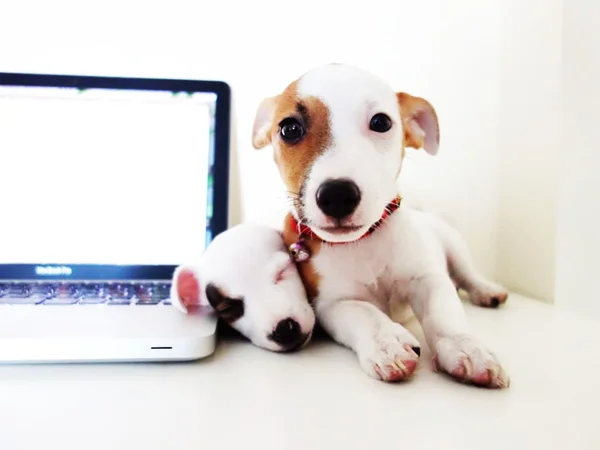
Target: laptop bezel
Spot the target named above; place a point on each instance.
(220, 172)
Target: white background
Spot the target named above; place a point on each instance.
(89, 178)
(517, 167)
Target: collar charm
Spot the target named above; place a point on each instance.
(299, 251)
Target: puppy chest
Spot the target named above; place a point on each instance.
(360, 275)
(361, 267)
(385, 293)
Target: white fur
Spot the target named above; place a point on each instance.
(404, 264)
(370, 159)
(244, 262)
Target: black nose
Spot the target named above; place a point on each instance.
(287, 333)
(338, 198)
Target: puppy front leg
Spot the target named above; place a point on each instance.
(385, 349)
(438, 308)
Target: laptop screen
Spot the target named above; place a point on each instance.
(103, 183)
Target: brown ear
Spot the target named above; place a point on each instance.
(420, 122)
(228, 309)
(263, 122)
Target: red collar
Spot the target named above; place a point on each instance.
(304, 231)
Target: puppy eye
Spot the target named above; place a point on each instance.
(291, 130)
(380, 123)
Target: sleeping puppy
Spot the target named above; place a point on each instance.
(339, 136)
(247, 276)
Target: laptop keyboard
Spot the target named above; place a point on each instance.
(118, 294)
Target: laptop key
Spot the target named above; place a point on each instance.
(61, 301)
(118, 301)
(164, 292)
(19, 294)
(64, 294)
(147, 294)
(20, 301)
(94, 294)
(150, 302)
(121, 294)
(41, 292)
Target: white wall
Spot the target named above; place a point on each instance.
(548, 157)
(444, 52)
(529, 145)
(522, 191)
(578, 244)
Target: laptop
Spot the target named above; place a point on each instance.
(107, 185)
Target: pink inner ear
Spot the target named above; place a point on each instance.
(424, 123)
(188, 288)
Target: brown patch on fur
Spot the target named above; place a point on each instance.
(410, 108)
(310, 277)
(294, 161)
(403, 155)
(227, 309)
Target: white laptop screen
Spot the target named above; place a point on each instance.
(103, 177)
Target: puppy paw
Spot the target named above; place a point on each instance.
(488, 294)
(467, 360)
(391, 355)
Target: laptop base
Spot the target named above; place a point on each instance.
(101, 333)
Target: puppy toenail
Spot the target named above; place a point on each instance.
(417, 350)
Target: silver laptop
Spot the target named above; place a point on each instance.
(106, 185)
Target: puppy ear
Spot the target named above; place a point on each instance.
(420, 122)
(228, 309)
(263, 122)
(185, 288)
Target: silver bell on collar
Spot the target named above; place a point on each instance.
(299, 251)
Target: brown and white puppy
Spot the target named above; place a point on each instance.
(339, 136)
(247, 277)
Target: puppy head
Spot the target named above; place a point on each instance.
(247, 277)
(338, 135)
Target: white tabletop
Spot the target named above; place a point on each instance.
(318, 398)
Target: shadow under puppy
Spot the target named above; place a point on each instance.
(247, 277)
